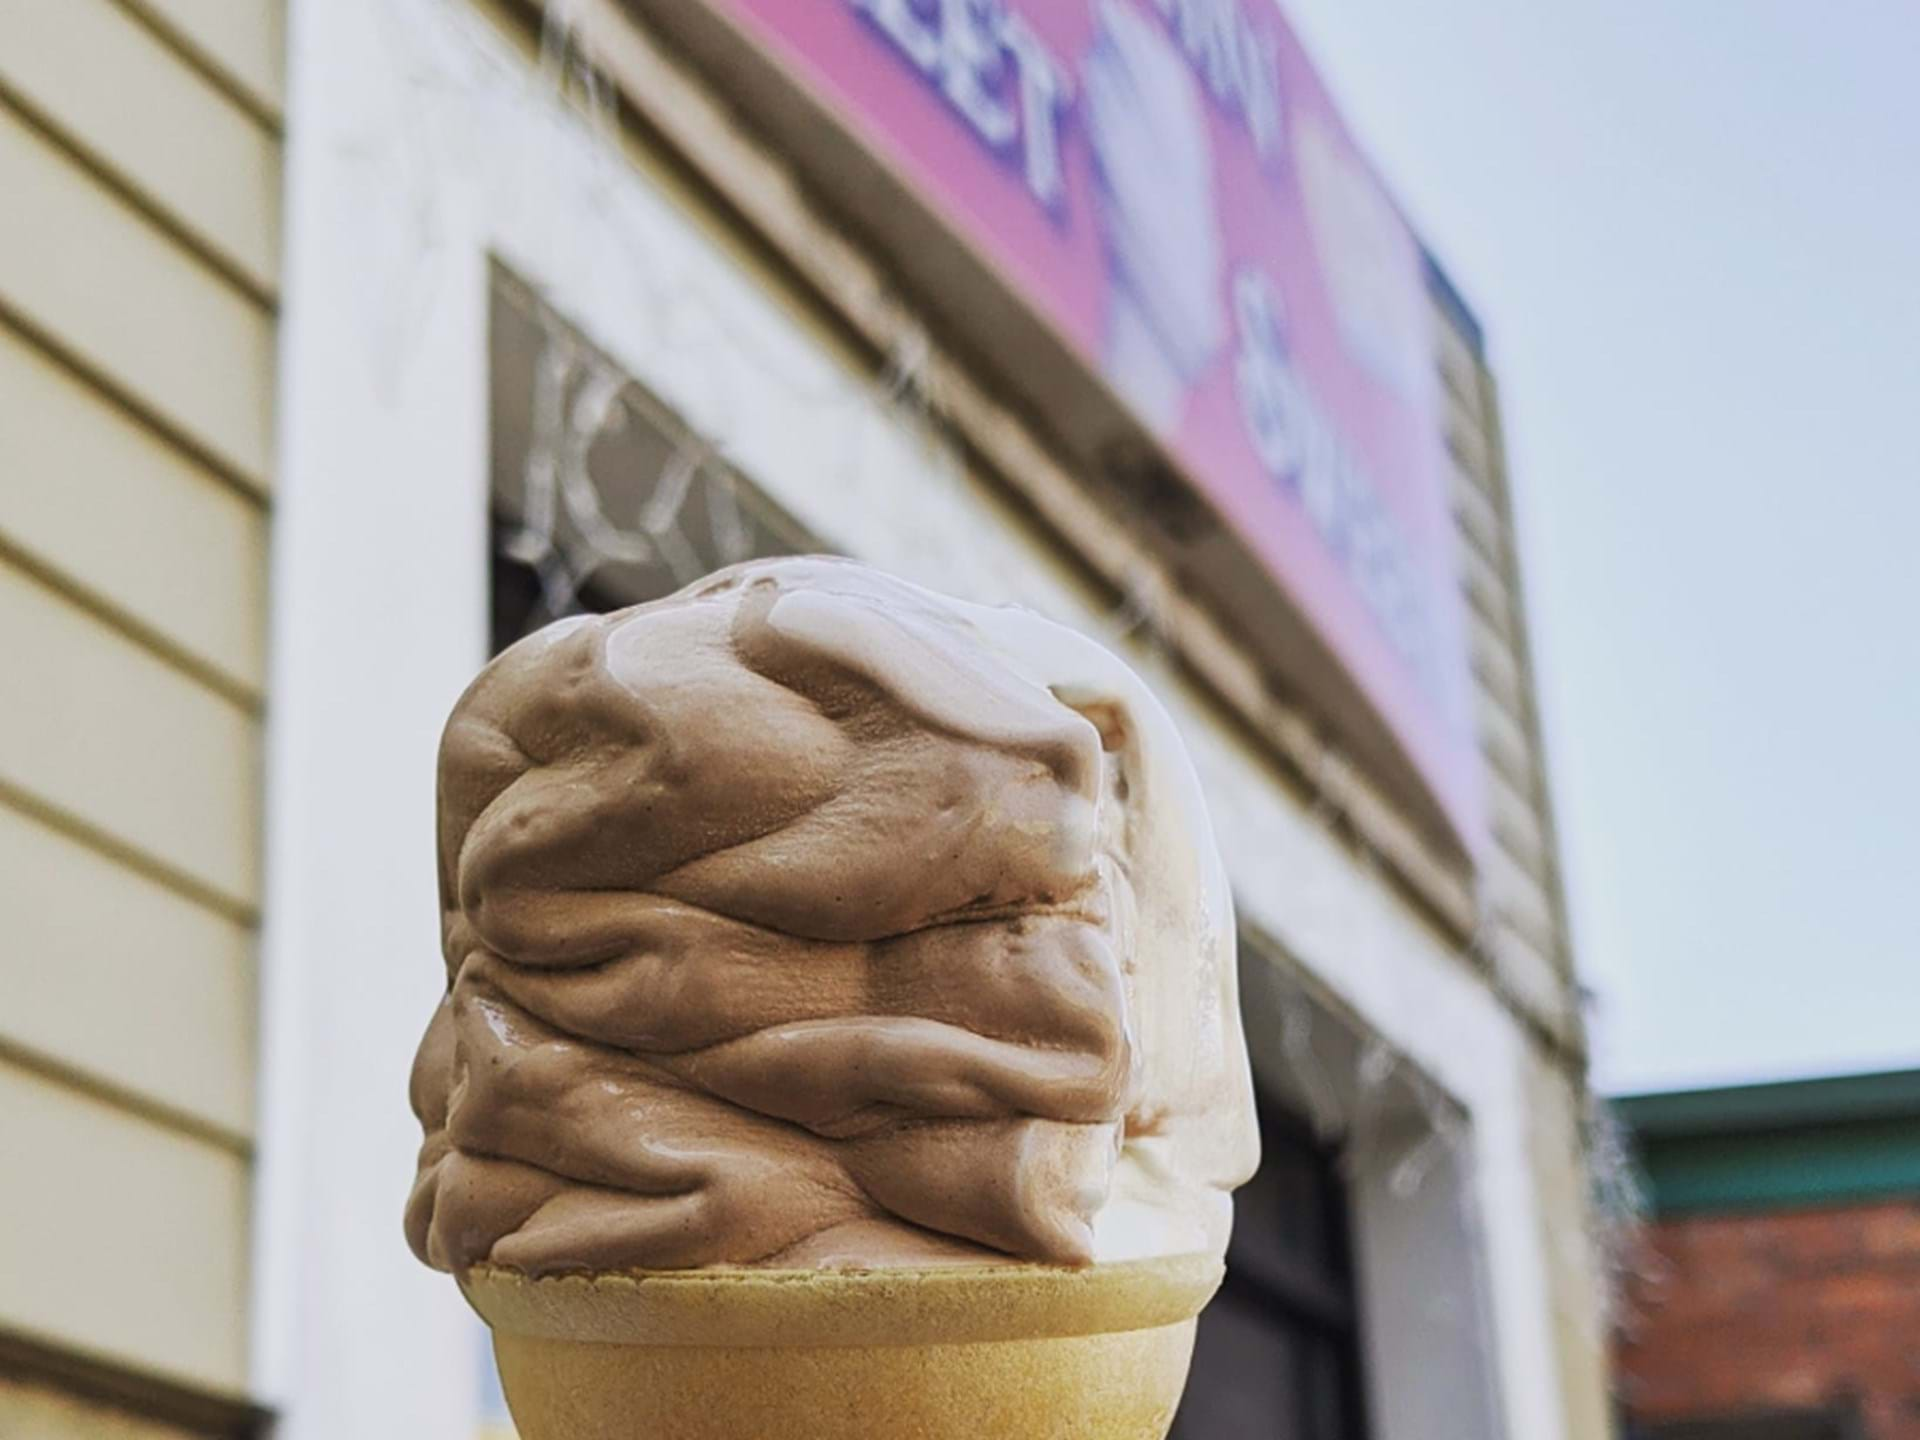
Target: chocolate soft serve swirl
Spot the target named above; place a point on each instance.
(806, 918)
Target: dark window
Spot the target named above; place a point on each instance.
(1278, 1351)
(601, 496)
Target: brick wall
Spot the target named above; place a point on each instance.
(1793, 1310)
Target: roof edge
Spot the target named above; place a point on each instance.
(1773, 1105)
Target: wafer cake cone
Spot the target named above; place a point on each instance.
(1018, 1350)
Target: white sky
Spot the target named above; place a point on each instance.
(1692, 230)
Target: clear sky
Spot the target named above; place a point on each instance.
(1692, 230)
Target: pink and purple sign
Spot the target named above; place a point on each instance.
(1168, 185)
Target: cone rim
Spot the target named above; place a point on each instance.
(783, 1309)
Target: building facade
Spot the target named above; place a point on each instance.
(1777, 1287)
(140, 271)
(559, 307)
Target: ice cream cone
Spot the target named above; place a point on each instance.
(1018, 1350)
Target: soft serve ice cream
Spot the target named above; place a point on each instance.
(806, 919)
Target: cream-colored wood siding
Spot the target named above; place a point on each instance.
(30, 1411)
(240, 46)
(120, 1234)
(125, 745)
(103, 490)
(76, 64)
(126, 980)
(90, 274)
(1525, 937)
(139, 261)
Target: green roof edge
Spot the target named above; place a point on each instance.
(1774, 1105)
(1838, 1140)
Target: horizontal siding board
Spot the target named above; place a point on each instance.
(90, 272)
(242, 41)
(92, 494)
(1519, 893)
(100, 729)
(1518, 831)
(121, 1237)
(1535, 980)
(1505, 797)
(1524, 939)
(1458, 365)
(1517, 879)
(1541, 946)
(1479, 522)
(1504, 742)
(1487, 593)
(1496, 684)
(113, 975)
(30, 1411)
(1458, 383)
(99, 77)
(1461, 414)
(1468, 447)
(1495, 668)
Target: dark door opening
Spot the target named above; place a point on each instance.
(1278, 1352)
